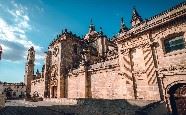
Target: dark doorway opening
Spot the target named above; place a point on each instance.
(178, 99)
(54, 92)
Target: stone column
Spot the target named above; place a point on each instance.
(88, 93)
(161, 87)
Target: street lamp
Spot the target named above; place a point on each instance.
(1, 50)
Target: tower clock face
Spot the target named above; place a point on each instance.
(56, 51)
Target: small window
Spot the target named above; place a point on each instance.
(175, 43)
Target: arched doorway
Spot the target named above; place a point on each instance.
(54, 91)
(178, 98)
(53, 87)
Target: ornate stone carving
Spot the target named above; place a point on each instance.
(54, 71)
(125, 51)
(53, 81)
(56, 51)
(173, 68)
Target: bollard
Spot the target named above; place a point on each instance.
(2, 101)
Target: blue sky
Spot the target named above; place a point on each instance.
(26, 23)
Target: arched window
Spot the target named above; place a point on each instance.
(174, 43)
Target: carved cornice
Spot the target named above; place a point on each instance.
(172, 69)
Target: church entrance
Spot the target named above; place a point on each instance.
(178, 99)
(54, 91)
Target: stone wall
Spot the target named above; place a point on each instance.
(76, 86)
(38, 86)
(173, 58)
(107, 84)
(145, 57)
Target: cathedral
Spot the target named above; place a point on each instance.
(144, 62)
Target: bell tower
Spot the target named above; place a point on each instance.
(29, 69)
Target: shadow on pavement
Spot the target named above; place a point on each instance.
(83, 107)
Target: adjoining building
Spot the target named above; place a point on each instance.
(146, 61)
(13, 90)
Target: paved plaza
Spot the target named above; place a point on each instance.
(21, 107)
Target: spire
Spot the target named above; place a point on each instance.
(123, 27)
(101, 31)
(91, 27)
(91, 22)
(37, 72)
(136, 18)
(31, 48)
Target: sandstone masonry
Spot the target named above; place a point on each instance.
(144, 62)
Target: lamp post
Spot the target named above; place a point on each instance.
(1, 50)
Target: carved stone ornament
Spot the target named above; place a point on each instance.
(125, 51)
(54, 71)
(172, 68)
(53, 82)
(56, 51)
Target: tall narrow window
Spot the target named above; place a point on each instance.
(174, 43)
(75, 49)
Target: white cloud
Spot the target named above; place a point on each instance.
(13, 36)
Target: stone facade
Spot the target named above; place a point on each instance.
(141, 62)
(13, 90)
